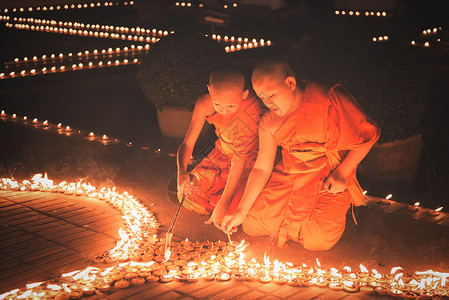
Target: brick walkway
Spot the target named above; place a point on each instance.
(44, 235)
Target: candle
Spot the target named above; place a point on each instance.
(67, 128)
(137, 280)
(414, 207)
(122, 283)
(209, 276)
(366, 290)
(349, 286)
(435, 212)
(3, 114)
(104, 287)
(335, 286)
(88, 290)
(223, 277)
(166, 278)
(152, 278)
(381, 290)
(75, 294)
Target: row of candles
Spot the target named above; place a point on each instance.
(66, 6)
(73, 67)
(86, 54)
(189, 4)
(139, 257)
(87, 33)
(71, 132)
(415, 207)
(357, 13)
(96, 27)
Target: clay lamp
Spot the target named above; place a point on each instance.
(280, 279)
(223, 277)
(335, 286)
(366, 290)
(166, 278)
(121, 284)
(152, 278)
(395, 292)
(381, 290)
(414, 207)
(103, 287)
(435, 212)
(76, 294)
(192, 277)
(240, 276)
(350, 286)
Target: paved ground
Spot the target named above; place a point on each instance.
(44, 235)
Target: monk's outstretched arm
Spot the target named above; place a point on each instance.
(185, 150)
(222, 207)
(257, 178)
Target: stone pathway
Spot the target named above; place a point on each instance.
(43, 235)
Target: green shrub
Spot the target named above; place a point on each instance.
(176, 69)
(388, 85)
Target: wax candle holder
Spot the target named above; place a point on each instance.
(121, 284)
(152, 278)
(366, 290)
(381, 290)
(75, 294)
(166, 278)
(104, 287)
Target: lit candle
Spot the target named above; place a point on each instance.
(223, 277)
(435, 212)
(414, 207)
(166, 278)
(3, 114)
(122, 283)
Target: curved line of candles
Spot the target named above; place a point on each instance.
(65, 7)
(71, 132)
(139, 257)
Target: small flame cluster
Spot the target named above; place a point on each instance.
(240, 43)
(69, 131)
(65, 7)
(140, 257)
(428, 33)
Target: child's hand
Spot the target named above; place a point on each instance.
(231, 221)
(183, 184)
(335, 183)
(218, 214)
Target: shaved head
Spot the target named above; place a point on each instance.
(225, 79)
(271, 70)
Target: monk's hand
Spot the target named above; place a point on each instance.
(218, 214)
(335, 183)
(231, 221)
(183, 181)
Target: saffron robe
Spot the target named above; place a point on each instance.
(237, 138)
(314, 140)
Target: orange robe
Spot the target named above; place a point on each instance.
(314, 140)
(237, 138)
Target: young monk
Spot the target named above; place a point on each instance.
(324, 135)
(223, 173)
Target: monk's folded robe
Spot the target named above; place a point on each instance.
(314, 140)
